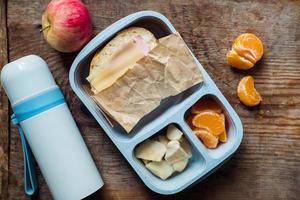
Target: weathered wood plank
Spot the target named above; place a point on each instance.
(4, 111)
(267, 164)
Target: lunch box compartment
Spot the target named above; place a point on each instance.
(171, 110)
(222, 148)
(196, 165)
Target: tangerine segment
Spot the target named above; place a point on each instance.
(237, 61)
(206, 104)
(208, 139)
(249, 46)
(246, 50)
(223, 136)
(247, 93)
(210, 121)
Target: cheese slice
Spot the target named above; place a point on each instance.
(119, 63)
(151, 150)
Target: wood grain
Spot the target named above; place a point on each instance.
(4, 111)
(267, 164)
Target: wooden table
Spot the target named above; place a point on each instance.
(267, 164)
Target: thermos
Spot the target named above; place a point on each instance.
(46, 124)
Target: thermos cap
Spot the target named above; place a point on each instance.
(26, 77)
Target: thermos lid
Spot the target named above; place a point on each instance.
(26, 77)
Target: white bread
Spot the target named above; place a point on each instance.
(118, 41)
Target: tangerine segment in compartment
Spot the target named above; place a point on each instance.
(206, 104)
(207, 121)
(223, 135)
(165, 154)
(206, 137)
(246, 50)
(247, 93)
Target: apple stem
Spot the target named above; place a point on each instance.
(41, 30)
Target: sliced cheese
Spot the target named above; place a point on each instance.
(184, 143)
(146, 161)
(173, 133)
(175, 152)
(150, 150)
(180, 165)
(163, 139)
(161, 169)
(118, 64)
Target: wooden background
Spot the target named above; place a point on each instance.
(267, 164)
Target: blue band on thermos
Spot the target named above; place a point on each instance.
(25, 110)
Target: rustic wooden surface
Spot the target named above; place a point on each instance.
(4, 124)
(267, 164)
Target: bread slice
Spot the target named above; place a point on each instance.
(118, 41)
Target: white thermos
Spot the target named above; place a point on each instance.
(50, 130)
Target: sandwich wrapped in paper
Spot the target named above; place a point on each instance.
(135, 88)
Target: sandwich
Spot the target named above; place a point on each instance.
(118, 55)
(134, 72)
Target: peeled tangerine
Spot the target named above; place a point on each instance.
(211, 121)
(247, 92)
(204, 133)
(223, 136)
(209, 140)
(208, 122)
(246, 50)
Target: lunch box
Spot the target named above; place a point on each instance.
(172, 110)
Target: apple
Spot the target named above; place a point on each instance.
(66, 25)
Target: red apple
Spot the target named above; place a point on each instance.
(66, 25)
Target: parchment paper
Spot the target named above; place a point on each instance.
(167, 70)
